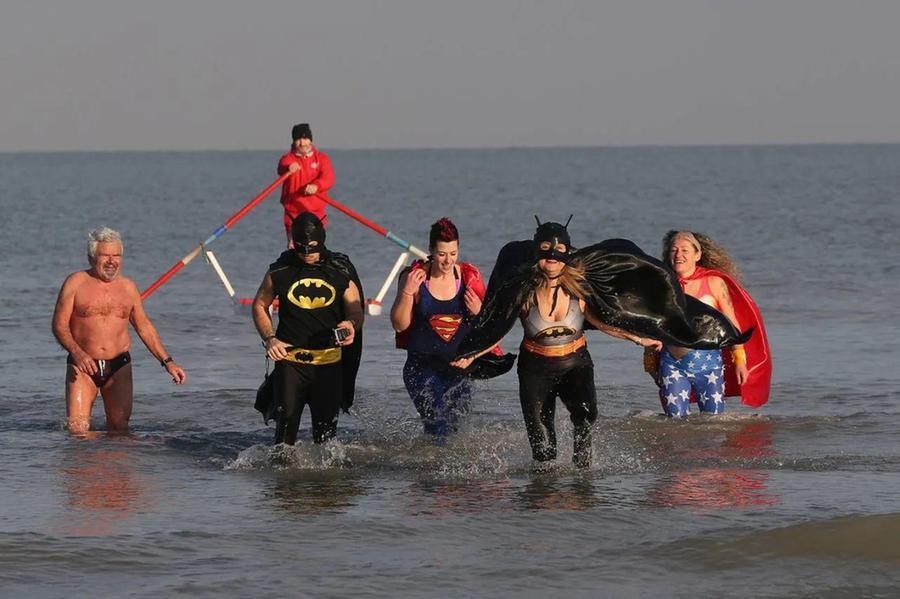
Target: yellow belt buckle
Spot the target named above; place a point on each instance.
(316, 357)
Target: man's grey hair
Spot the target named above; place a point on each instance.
(101, 235)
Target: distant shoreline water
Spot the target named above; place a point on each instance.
(670, 146)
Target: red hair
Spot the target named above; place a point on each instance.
(442, 230)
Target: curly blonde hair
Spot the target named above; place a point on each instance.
(712, 255)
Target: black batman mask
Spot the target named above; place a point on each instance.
(554, 234)
(305, 229)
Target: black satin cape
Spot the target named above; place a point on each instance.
(626, 288)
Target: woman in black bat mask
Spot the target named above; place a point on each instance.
(554, 360)
(556, 292)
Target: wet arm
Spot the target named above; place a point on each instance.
(402, 309)
(723, 299)
(149, 335)
(62, 315)
(465, 362)
(262, 301)
(353, 306)
(144, 328)
(620, 333)
(262, 319)
(353, 313)
(726, 306)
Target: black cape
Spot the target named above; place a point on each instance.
(490, 365)
(351, 355)
(626, 288)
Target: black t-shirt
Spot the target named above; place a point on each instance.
(310, 302)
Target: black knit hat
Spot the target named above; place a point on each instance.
(301, 131)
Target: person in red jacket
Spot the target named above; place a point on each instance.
(306, 189)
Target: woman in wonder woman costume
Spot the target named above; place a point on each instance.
(553, 289)
(706, 272)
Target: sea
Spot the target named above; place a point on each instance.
(799, 498)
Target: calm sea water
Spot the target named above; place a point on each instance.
(799, 498)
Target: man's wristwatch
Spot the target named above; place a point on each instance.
(167, 360)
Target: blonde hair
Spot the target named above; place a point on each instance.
(571, 279)
(712, 255)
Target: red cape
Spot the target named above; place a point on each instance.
(755, 390)
(471, 278)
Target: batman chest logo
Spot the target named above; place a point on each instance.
(445, 325)
(311, 294)
(552, 332)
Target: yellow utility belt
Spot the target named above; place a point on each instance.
(554, 351)
(316, 357)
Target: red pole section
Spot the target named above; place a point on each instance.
(357, 216)
(168, 275)
(377, 228)
(216, 234)
(262, 195)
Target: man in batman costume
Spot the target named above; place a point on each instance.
(318, 344)
(556, 291)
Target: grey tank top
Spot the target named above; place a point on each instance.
(546, 332)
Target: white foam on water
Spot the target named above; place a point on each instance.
(302, 456)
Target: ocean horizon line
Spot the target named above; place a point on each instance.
(460, 148)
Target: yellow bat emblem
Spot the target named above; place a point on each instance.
(555, 332)
(311, 294)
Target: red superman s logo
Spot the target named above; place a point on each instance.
(445, 325)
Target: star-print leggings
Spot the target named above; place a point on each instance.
(700, 371)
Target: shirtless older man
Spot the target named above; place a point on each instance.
(91, 322)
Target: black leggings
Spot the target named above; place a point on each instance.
(541, 381)
(319, 387)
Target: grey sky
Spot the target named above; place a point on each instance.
(98, 75)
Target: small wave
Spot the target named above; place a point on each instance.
(871, 537)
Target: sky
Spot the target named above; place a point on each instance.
(227, 75)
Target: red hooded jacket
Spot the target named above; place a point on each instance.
(315, 168)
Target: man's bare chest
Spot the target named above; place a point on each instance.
(92, 303)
